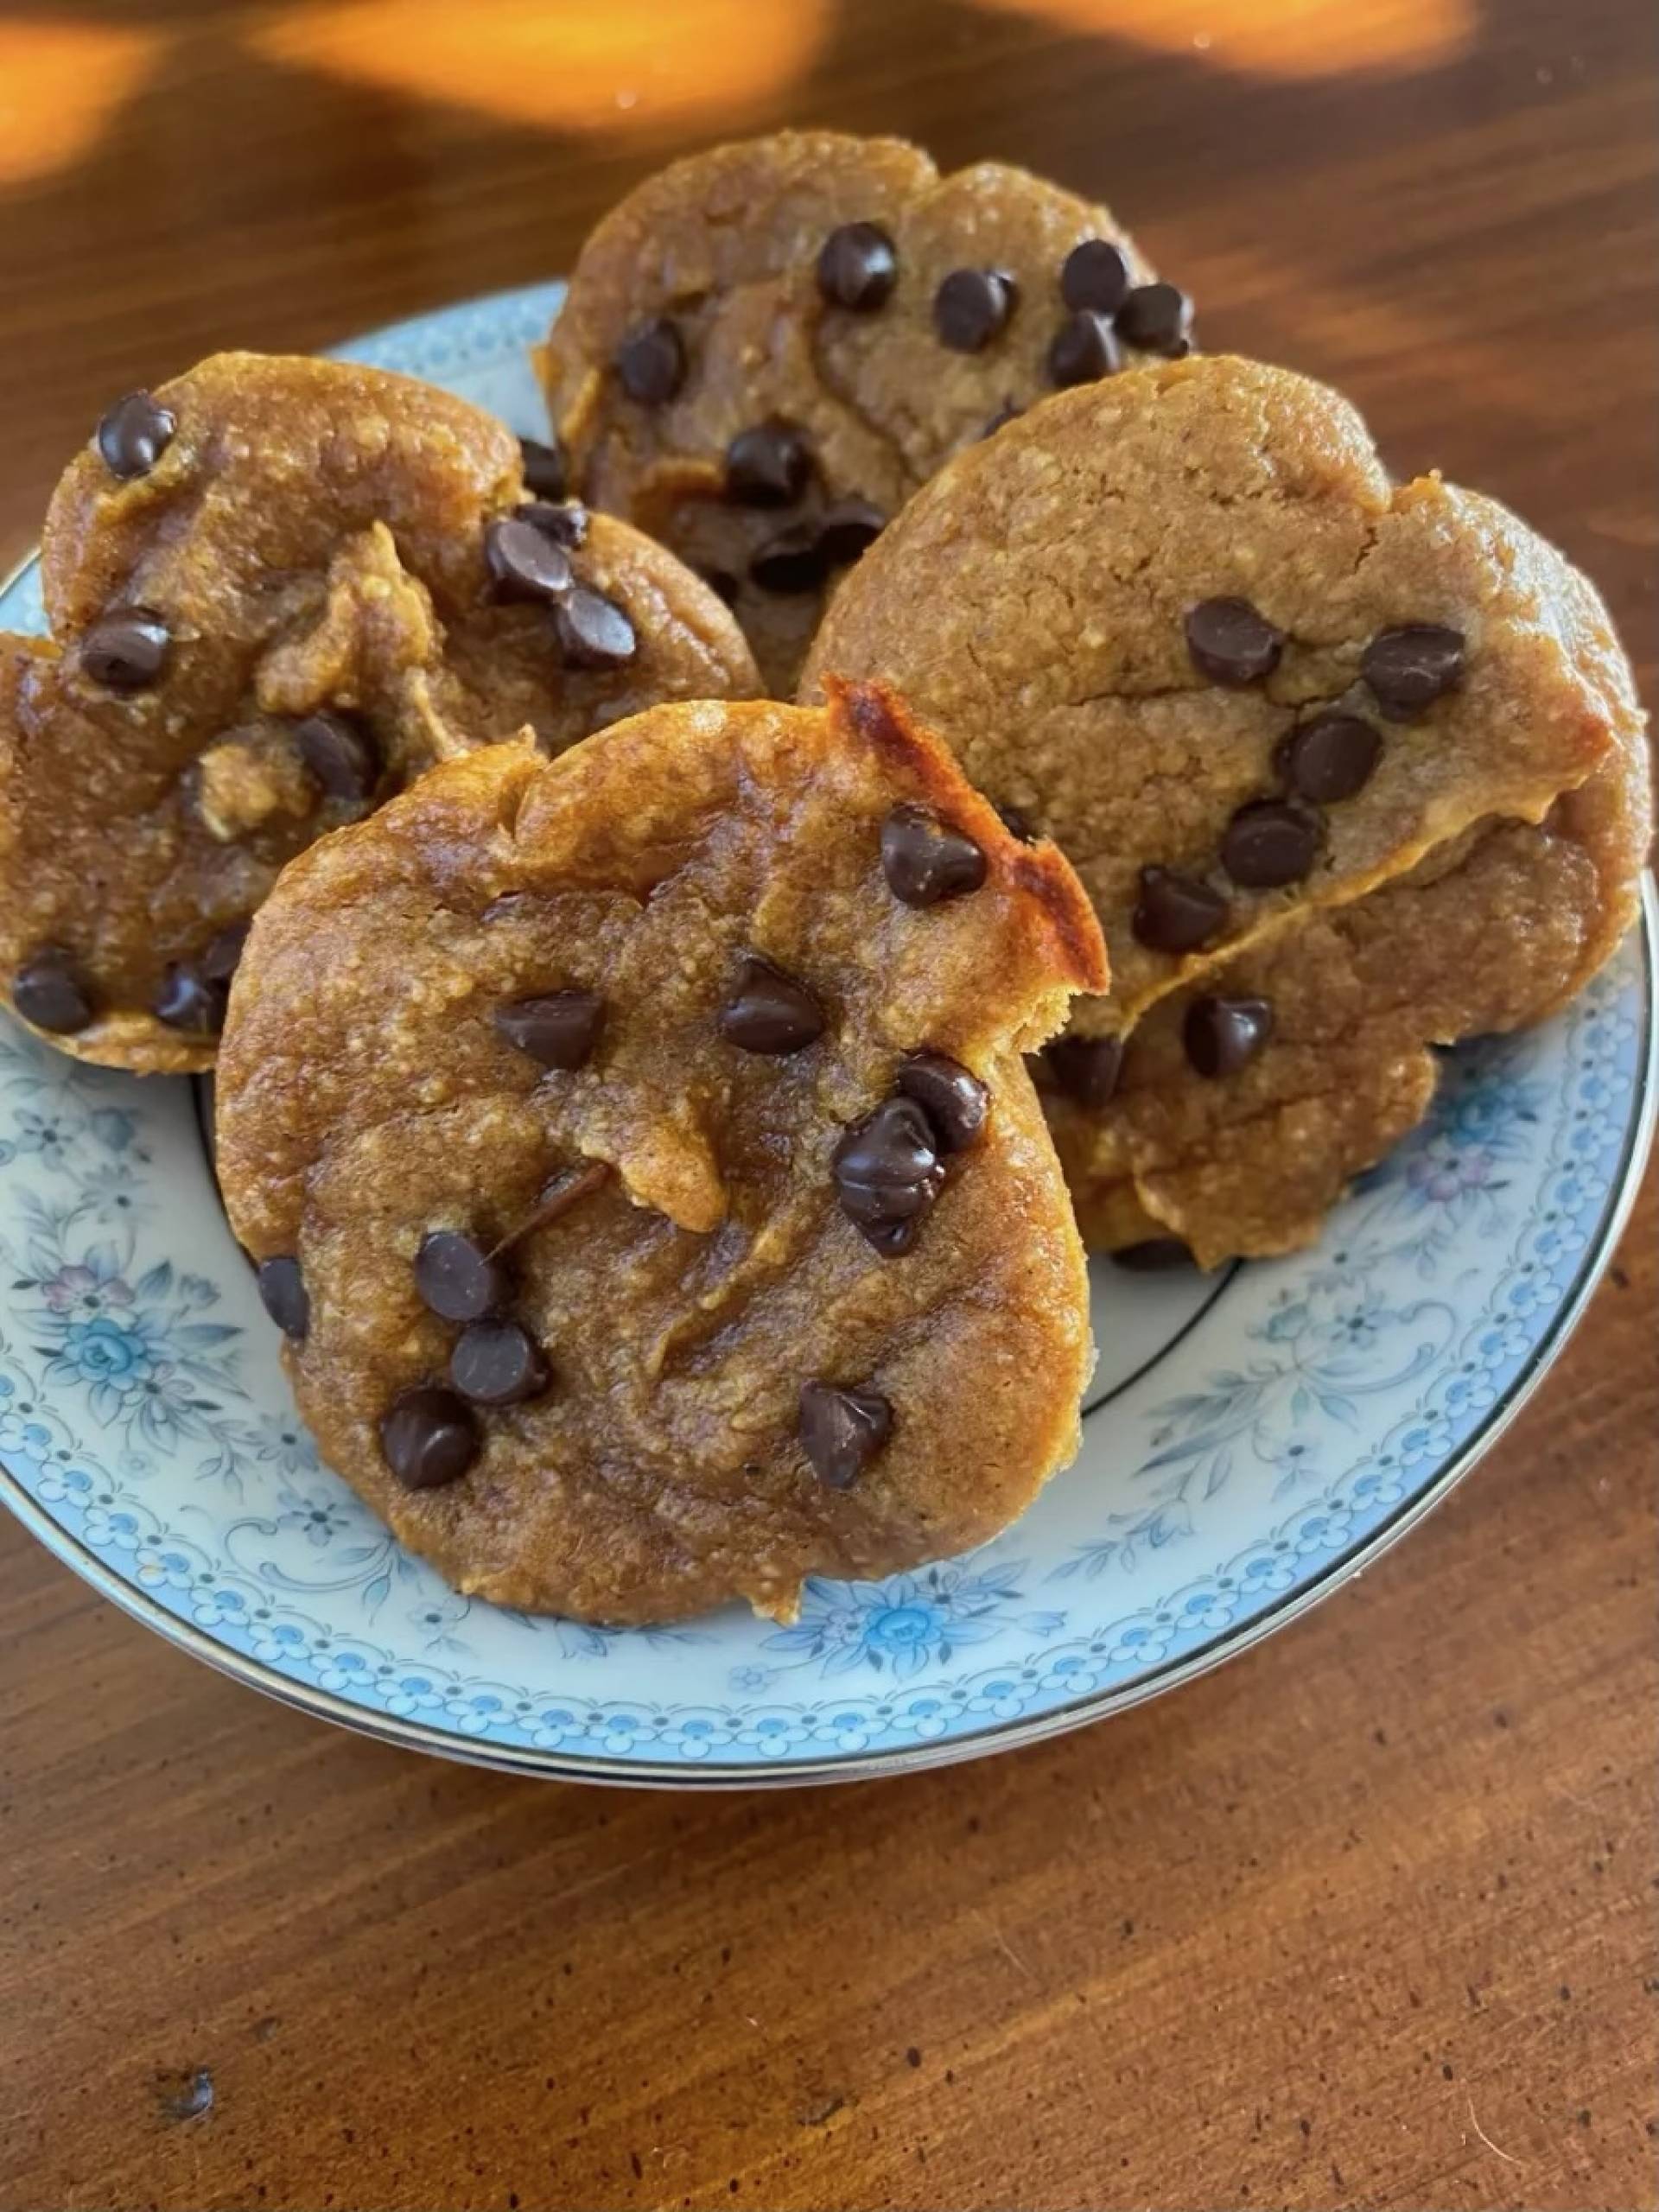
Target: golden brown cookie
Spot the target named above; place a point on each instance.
(640, 1155)
(768, 347)
(278, 590)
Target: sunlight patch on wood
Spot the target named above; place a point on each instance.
(60, 83)
(1276, 38)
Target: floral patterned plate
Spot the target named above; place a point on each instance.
(1250, 1440)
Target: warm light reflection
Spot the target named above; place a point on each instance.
(58, 84)
(1277, 38)
(602, 66)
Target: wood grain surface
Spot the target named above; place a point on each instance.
(1367, 1917)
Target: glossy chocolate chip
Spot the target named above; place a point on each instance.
(1176, 913)
(558, 1029)
(1269, 843)
(458, 1280)
(1156, 317)
(593, 631)
(1085, 1068)
(887, 1173)
(281, 1285)
(925, 861)
(768, 465)
(497, 1363)
(954, 1100)
(842, 1431)
(858, 267)
(1328, 759)
(1095, 274)
(1152, 1255)
(651, 362)
(429, 1437)
(545, 472)
(1223, 1035)
(1084, 347)
(1409, 667)
(341, 754)
(565, 521)
(126, 650)
(1007, 412)
(50, 990)
(792, 560)
(972, 306)
(1232, 642)
(848, 529)
(769, 1011)
(525, 561)
(188, 998)
(135, 434)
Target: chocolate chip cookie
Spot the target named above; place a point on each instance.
(278, 590)
(768, 347)
(639, 1155)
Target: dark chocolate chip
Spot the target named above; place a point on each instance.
(126, 650)
(593, 631)
(1409, 667)
(1017, 823)
(1085, 1068)
(887, 1174)
(651, 361)
(283, 1292)
(50, 991)
(972, 306)
(497, 1363)
(190, 1000)
(1223, 1035)
(848, 529)
(545, 471)
(341, 754)
(525, 561)
(768, 465)
(1328, 759)
(1230, 642)
(858, 267)
(722, 583)
(135, 434)
(565, 521)
(955, 1102)
(842, 1431)
(458, 1280)
(1084, 347)
(1156, 317)
(1095, 275)
(769, 1011)
(792, 560)
(1176, 913)
(1007, 412)
(559, 1030)
(1154, 1255)
(1269, 843)
(429, 1437)
(924, 861)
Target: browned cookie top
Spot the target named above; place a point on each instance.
(766, 347)
(639, 1154)
(278, 589)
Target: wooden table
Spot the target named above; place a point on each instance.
(1366, 1918)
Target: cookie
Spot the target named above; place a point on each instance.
(768, 347)
(278, 589)
(650, 1188)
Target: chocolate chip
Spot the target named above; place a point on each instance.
(651, 362)
(842, 1431)
(135, 434)
(281, 1289)
(887, 1174)
(126, 650)
(341, 754)
(1152, 1255)
(525, 561)
(189, 999)
(858, 267)
(593, 631)
(457, 1279)
(723, 584)
(1269, 843)
(955, 1102)
(224, 954)
(1095, 275)
(50, 991)
(1156, 317)
(1176, 913)
(565, 521)
(769, 1011)
(848, 529)
(972, 306)
(924, 861)
(1328, 759)
(559, 1029)
(497, 1363)
(792, 560)
(768, 465)
(429, 1437)
(1085, 347)
(1230, 642)
(1223, 1035)
(1409, 667)
(545, 472)
(1085, 1068)
(1007, 412)
(1017, 823)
